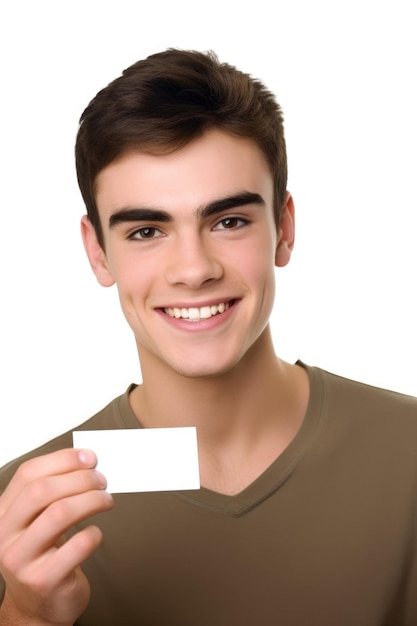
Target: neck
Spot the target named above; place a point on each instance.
(257, 406)
(241, 398)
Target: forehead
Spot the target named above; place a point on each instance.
(212, 166)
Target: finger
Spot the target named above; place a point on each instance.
(57, 577)
(42, 537)
(42, 492)
(58, 566)
(55, 463)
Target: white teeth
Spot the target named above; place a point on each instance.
(195, 314)
(205, 312)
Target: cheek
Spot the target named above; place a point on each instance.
(259, 264)
(137, 281)
(261, 275)
(129, 282)
(128, 271)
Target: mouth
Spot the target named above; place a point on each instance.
(197, 314)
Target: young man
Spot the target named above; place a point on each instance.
(307, 510)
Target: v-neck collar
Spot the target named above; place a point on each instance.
(275, 475)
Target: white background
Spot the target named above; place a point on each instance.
(345, 75)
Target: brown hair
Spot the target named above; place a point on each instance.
(161, 103)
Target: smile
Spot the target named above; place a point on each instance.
(196, 314)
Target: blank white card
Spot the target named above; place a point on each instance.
(150, 459)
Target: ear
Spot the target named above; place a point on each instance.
(286, 233)
(96, 254)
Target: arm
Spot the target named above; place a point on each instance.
(46, 497)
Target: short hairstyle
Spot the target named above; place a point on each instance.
(161, 103)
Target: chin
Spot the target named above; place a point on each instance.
(204, 361)
(203, 370)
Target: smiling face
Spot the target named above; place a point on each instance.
(191, 242)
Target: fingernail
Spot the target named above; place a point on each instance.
(87, 457)
(101, 479)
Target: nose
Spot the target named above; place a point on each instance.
(193, 263)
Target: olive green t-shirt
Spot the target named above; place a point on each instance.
(326, 536)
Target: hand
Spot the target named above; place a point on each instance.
(46, 497)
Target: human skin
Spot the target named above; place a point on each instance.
(184, 232)
(191, 261)
(46, 497)
(208, 244)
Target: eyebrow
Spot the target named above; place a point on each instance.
(144, 214)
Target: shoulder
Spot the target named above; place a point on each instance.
(116, 414)
(362, 415)
(357, 409)
(369, 432)
(366, 400)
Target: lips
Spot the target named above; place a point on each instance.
(196, 314)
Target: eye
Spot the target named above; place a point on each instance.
(147, 232)
(228, 223)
